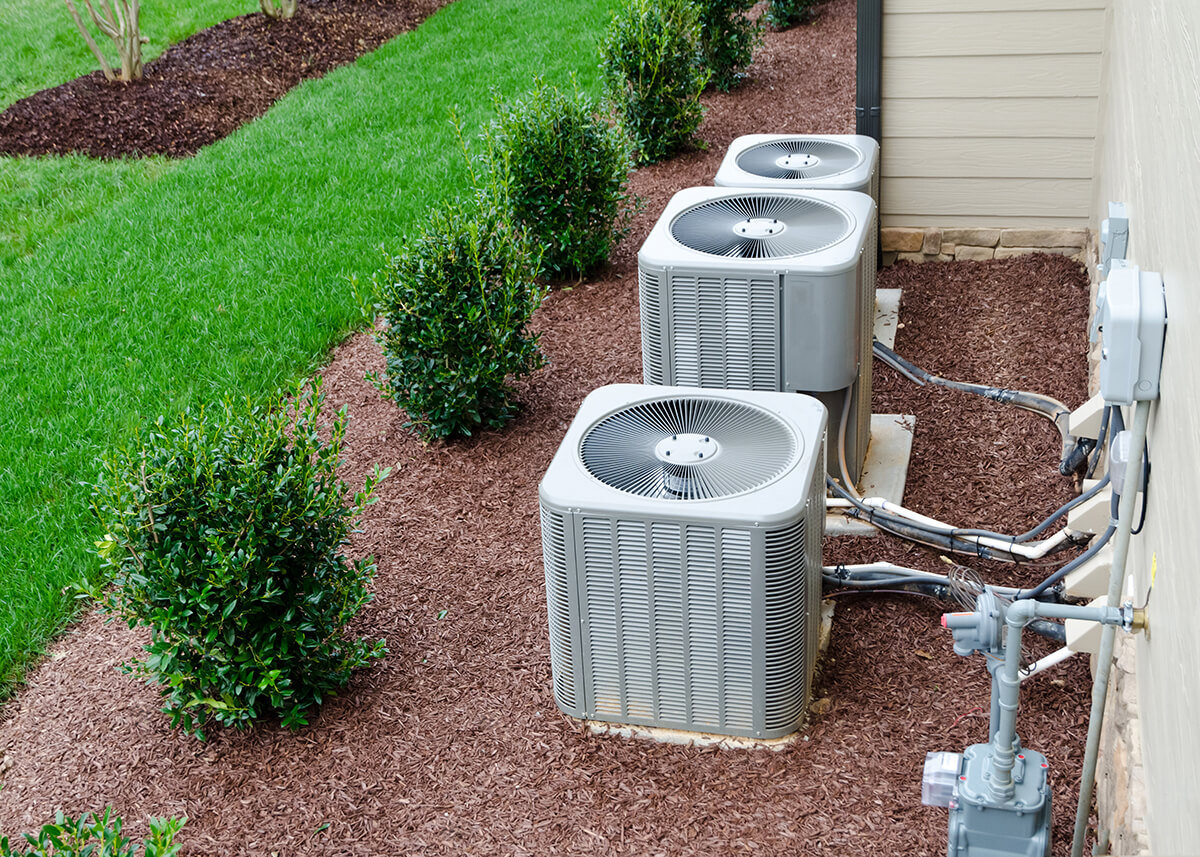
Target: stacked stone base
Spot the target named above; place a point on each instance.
(937, 244)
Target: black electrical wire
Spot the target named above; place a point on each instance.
(1099, 450)
(1092, 550)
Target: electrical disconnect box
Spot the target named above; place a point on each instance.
(1131, 316)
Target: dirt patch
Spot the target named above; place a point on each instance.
(453, 744)
(207, 86)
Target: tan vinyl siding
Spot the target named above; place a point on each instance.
(990, 111)
(1149, 138)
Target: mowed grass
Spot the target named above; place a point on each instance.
(228, 274)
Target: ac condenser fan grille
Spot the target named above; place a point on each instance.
(799, 158)
(761, 226)
(689, 448)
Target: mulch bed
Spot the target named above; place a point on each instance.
(453, 744)
(207, 86)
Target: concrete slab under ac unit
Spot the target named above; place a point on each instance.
(885, 470)
(887, 315)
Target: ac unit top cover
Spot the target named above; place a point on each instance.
(760, 231)
(686, 453)
(825, 161)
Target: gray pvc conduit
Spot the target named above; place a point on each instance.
(1133, 475)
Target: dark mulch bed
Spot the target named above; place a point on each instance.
(205, 87)
(453, 744)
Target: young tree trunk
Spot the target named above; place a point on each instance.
(285, 9)
(119, 21)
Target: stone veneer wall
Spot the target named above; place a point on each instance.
(956, 244)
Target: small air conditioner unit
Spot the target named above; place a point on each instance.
(681, 534)
(802, 162)
(764, 290)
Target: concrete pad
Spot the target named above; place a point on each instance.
(887, 315)
(885, 470)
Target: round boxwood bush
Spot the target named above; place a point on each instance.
(223, 533)
(457, 302)
(728, 38)
(651, 74)
(561, 173)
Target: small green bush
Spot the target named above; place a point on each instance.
(224, 535)
(728, 38)
(457, 301)
(782, 14)
(561, 173)
(100, 837)
(651, 75)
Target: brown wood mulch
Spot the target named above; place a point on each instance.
(453, 744)
(207, 86)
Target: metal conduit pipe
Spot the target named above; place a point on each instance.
(1133, 475)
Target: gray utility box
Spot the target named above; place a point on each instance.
(981, 826)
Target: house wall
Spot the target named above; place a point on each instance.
(989, 111)
(1147, 157)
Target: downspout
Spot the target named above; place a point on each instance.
(867, 104)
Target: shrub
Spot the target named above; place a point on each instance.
(728, 38)
(651, 76)
(457, 301)
(782, 14)
(120, 23)
(223, 534)
(100, 837)
(561, 173)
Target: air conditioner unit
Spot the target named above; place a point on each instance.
(764, 290)
(802, 162)
(681, 534)
(817, 162)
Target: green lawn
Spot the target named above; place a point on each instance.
(154, 286)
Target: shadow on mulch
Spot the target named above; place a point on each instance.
(453, 744)
(207, 86)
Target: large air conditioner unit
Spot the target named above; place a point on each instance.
(681, 533)
(764, 290)
(802, 162)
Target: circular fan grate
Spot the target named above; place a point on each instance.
(689, 448)
(761, 226)
(799, 158)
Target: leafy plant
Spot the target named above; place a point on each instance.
(652, 79)
(95, 837)
(285, 8)
(782, 14)
(119, 21)
(561, 173)
(457, 301)
(728, 38)
(224, 534)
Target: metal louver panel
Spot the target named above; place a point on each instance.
(799, 158)
(724, 332)
(788, 622)
(669, 641)
(558, 606)
(761, 226)
(653, 354)
(866, 358)
(746, 447)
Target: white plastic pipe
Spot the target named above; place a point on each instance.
(1052, 659)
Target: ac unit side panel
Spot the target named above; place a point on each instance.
(678, 621)
(821, 331)
(656, 356)
(723, 331)
(566, 657)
